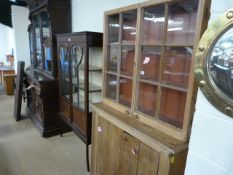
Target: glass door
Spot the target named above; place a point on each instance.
(46, 42)
(64, 82)
(78, 77)
(120, 57)
(37, 31)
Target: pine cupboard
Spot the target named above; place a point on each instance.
(125, 146)
(148, 87)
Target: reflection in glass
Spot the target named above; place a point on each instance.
(177, 64)
(153, 25)
(111, 84)
(47, 43)
(77, 60)
(150, 63)
(129, 26)
(172, 107)
(125, 93)
(112, 58)
(64, 72)
(220, 63)
(147, 98)
(182, 22)
(127, 60)
(113, 29)
(31, 46)
(36, 20)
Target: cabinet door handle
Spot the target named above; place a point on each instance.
(99, 129)
(134, 152)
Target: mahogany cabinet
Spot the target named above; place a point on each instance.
(48, 18)
(148, 87)
(79, 72)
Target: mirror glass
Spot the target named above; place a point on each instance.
(220, 63)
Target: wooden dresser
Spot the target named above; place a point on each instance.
(143, 123)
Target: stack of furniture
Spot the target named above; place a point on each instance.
(48, 18)
(142, 126)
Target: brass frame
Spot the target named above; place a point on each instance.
(205, 46)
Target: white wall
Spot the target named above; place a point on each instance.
(6, 41)
(211, 142)
(88, 15)
(20, 24)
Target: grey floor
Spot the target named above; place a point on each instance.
(24, 152)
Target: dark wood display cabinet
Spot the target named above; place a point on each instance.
(48, 18)
(80, 70)
(143, 123)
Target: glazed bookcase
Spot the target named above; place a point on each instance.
(148, 71)
(79, 72)
(142, 124)
(47, 18)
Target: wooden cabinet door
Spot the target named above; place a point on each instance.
(128, 155)
(114, 146)
(101, 146)
(148, 161)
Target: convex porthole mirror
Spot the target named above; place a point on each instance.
(214, 63)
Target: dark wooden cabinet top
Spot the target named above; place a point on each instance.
(92, 39)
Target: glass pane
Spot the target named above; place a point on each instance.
(36, 20)
(177, 64)
(150, 63)
(125, 93)
(64, 72)
(182, 22)
(127, 60)
(77, 61)
(112, 58)
(129, 26)
(172, 107)
(153, 25)
(31, 47)
(111, 84)
(113, 29)
(147, 98)
(47, 42)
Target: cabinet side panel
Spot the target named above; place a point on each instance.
(113, 150)
(128, 155)
(177, 166)
(148, 161)
(101, 146)
(94, 145)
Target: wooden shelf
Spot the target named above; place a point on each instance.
(91, 68)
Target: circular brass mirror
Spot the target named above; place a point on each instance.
(214, 63)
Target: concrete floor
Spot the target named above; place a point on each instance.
(24, 152)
